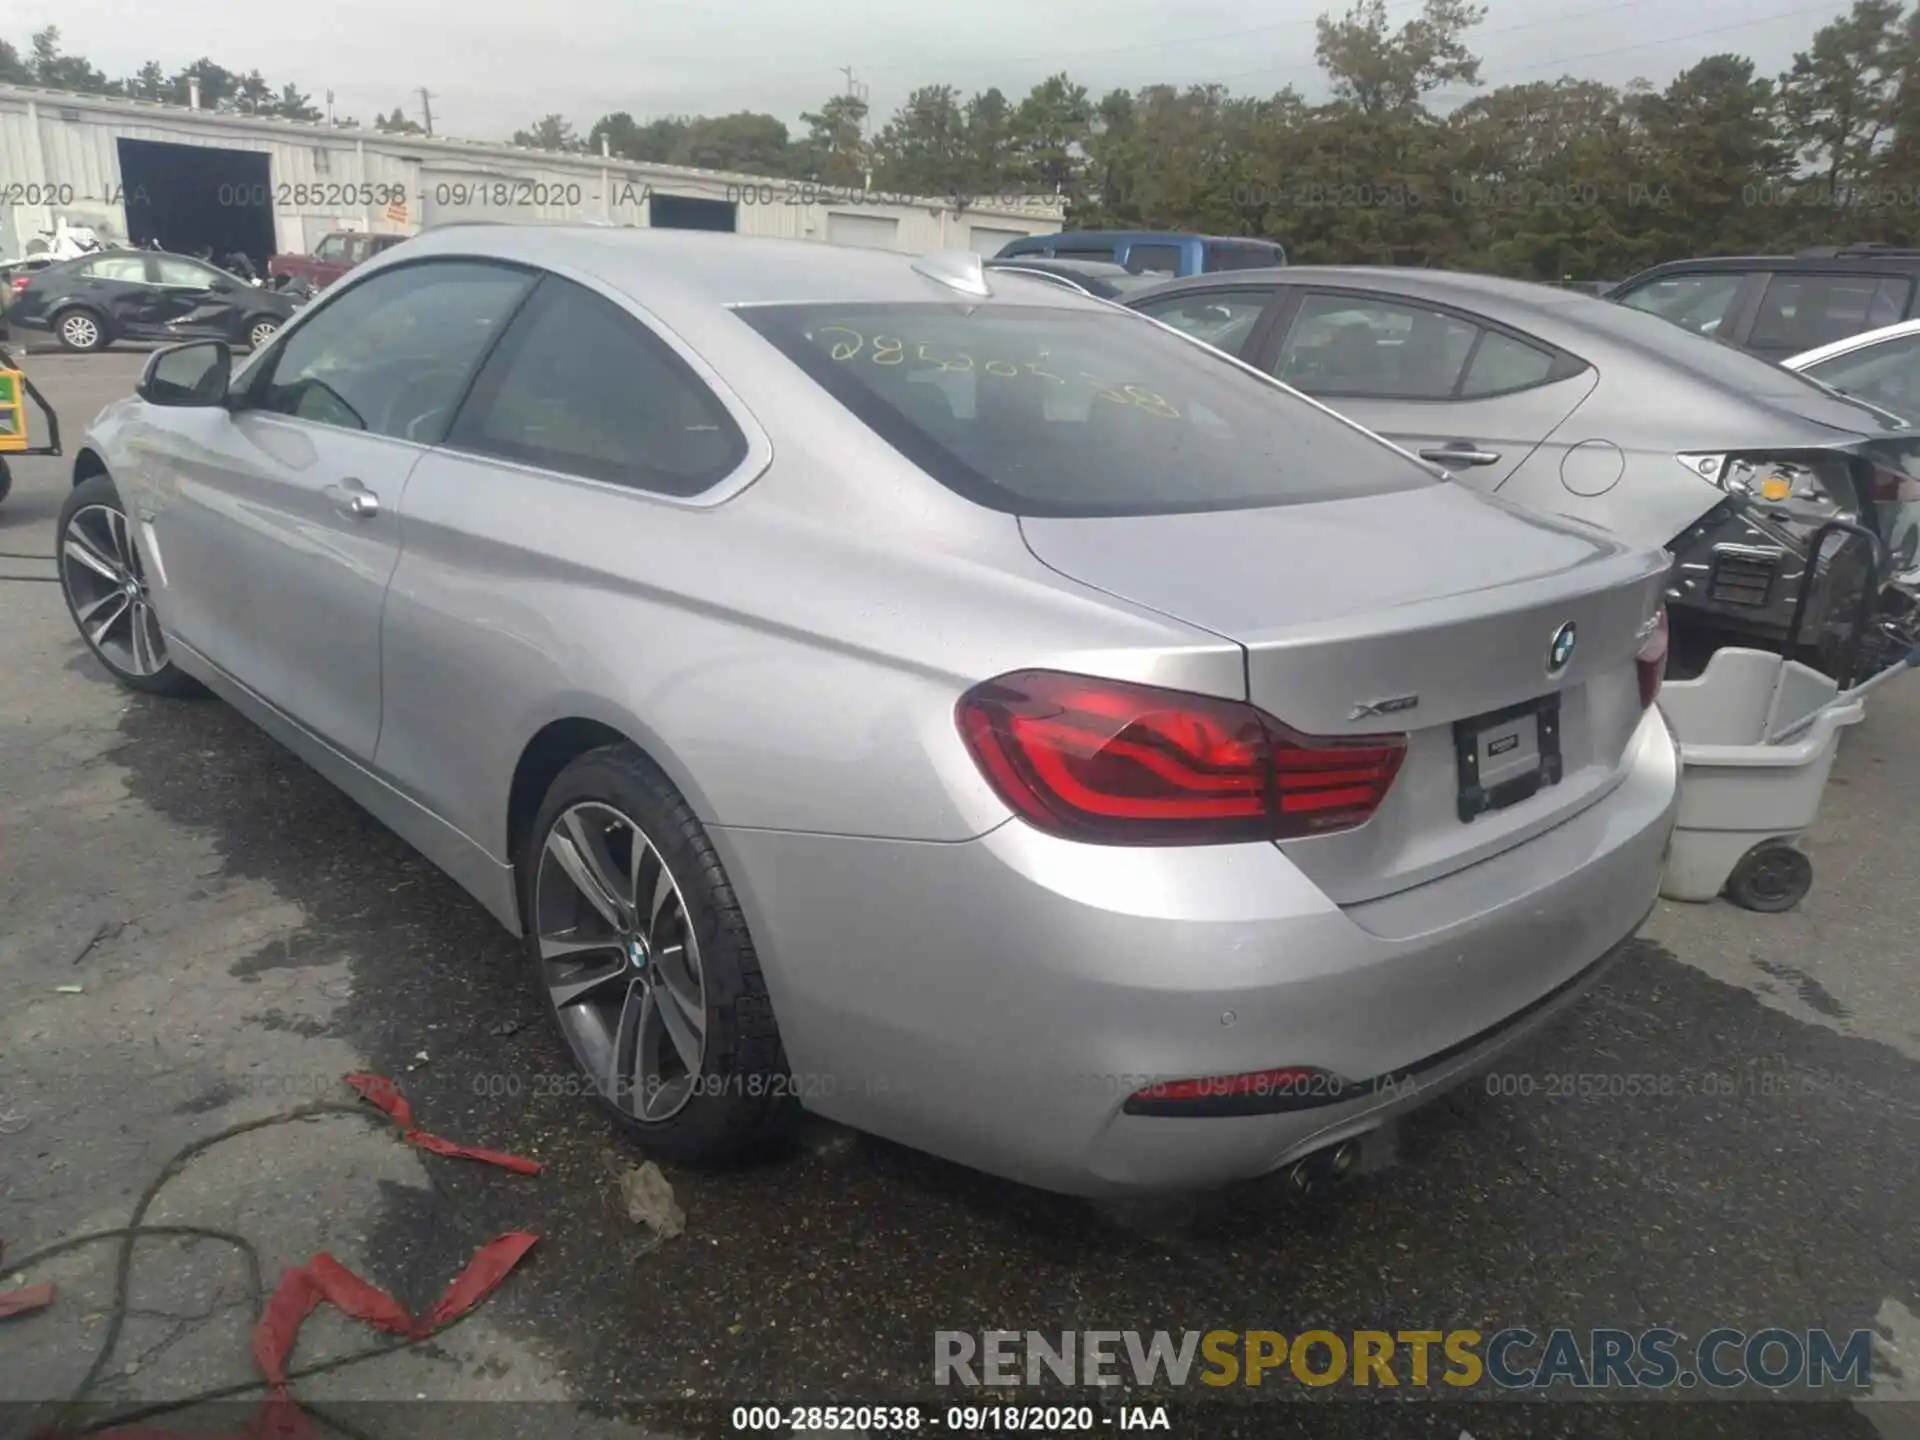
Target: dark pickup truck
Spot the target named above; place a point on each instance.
(332, 257)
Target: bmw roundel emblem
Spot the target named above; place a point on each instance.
(1561, 650)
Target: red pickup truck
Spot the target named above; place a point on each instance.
(336, 254)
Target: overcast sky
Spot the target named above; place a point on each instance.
(493, 67)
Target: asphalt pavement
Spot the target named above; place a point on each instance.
(240, 935)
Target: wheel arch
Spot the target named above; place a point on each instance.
(87, 464)
(558, 743)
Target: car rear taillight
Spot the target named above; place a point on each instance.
(20, 282)
(1259, 1092)
(1122, 764)
(1651, 661)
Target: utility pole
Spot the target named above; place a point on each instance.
(857, 90)
(426, 108)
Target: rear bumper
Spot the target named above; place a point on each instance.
(996, 1001)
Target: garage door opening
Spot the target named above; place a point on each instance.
(193, 198)
(683, 212)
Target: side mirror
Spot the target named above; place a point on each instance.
(194, 374)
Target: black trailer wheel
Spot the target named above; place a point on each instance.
(1770, 878)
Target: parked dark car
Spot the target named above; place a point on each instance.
(1573, 406)
(1150, 252)
(1775, 306)
(89, 303)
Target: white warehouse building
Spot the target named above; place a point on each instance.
(137, 171)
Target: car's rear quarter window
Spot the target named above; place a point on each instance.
(1043, 411)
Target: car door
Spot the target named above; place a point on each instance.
(279, 527)
(194, 301)
(586, 449)
(120, 288)
(1455, 389)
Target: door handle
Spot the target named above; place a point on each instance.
(1460, 454)
(354, 500)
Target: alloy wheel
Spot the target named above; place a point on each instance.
(106, 587)
(80, 332)
(620, 961)
(261, 333)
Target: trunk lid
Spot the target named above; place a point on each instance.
(1438, 605)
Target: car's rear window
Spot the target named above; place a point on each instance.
(1043, 411)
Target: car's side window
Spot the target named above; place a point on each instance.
(582, 387)
(1887, 374)
(1801, 311)
(334, 247)
(1222, 318)
(184, 273)
(1503, 364)
(1153, 259)
(1698, 302)
(129, 268)
(393, 354)
(1363, 345)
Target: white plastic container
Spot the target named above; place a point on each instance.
(1745, 803)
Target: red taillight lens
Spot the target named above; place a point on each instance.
(1124, 764)
(20, 282)
(1651, 662)
(1290, 1087)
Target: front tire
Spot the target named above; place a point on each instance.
(105, 585)
(80, 330)
(639, 950)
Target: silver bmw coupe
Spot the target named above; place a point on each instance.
(923, 695)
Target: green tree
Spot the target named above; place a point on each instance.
(65, 72)
(397, 123)
(13, 70)
(1050, 132)
(923, 149)
(747, 142)
(149, 82)
(834, 151)
(1379, 71)
(291, 104)
(987, 124)
(218, 85)
(549, 132)
(1839, 99)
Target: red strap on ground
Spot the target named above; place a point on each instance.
(25, 1302)
(301, 1290)
(324, 1278)
(379, 1091)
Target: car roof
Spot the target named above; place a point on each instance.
(1150, 235)
(661, 267)
(1441, 286)
(1847, 344)
(1826, 259)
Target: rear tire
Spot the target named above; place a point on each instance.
(260, 331)
(104, 583)
(624, 995)
(79, 329)
(1770, 878)
(6, 479)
